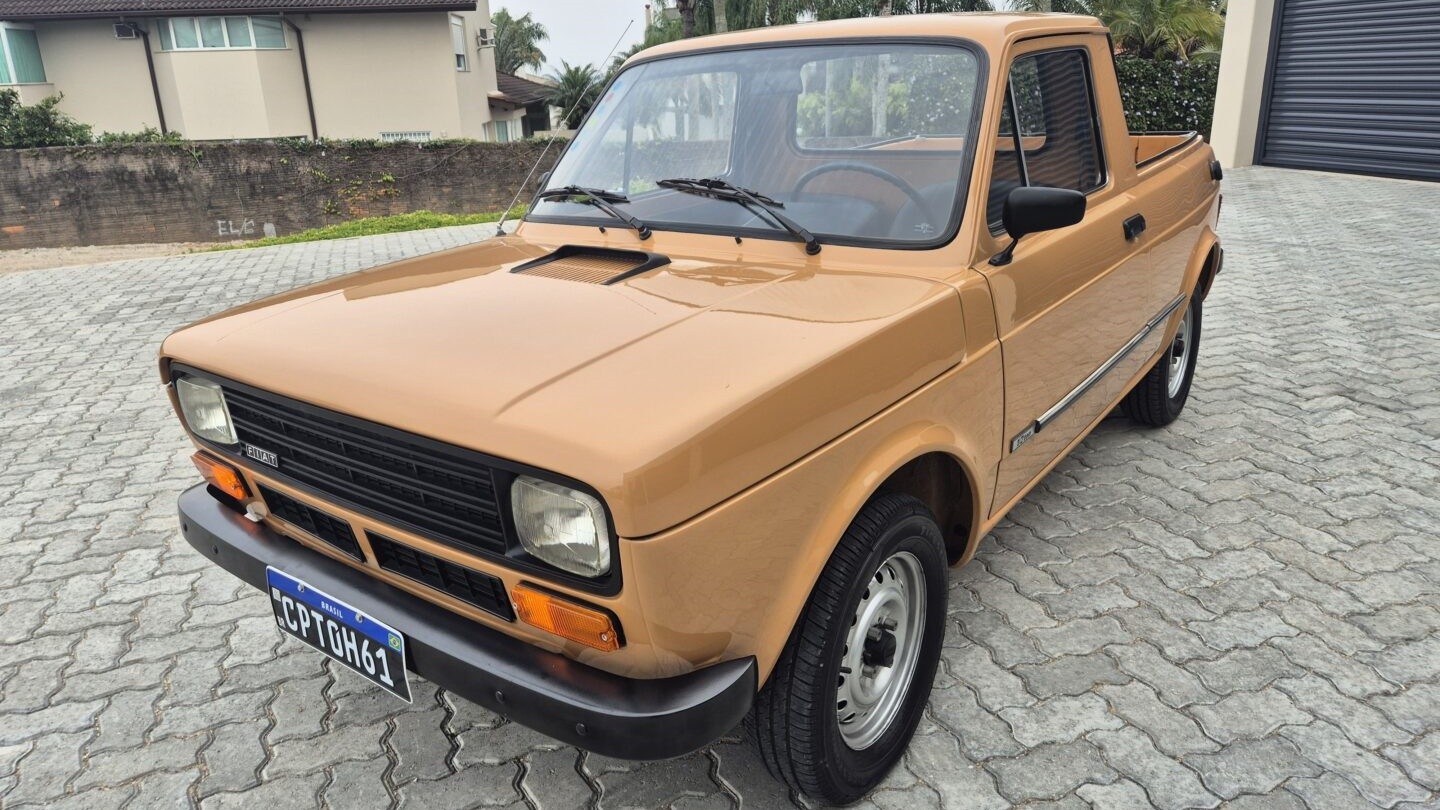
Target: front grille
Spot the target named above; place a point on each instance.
(481, 590)
(332, 530)
(434, 490)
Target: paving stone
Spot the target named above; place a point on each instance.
(1420, 759)
(1080, 636)
(1399, 622)
(1349, 675)
(982, 734)
(1327, 792)
(45, 771)
(1169, 784)
(1174, 685)
(116, 767)
(1378, 779)
(1251, 766)
(1120, 795)
(1087, 601)
(996, 686)
(1248, 715)
(1406, 662)
(1173, 732)
(1070, 675)
(1050, 771)
(1362, 723)
(234, 757)
(1243, 670)
(936, 759)
(1007, 645)
(1060, 719)
(1243, 628)
(1416, 709)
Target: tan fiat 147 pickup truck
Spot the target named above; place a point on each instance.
(797, 317)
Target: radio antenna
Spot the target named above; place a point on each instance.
(524, 184)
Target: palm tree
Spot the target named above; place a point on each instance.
(574, 90)
(517, 41)
(1151, 29)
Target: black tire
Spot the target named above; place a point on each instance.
(1150, 401)
(795, 721)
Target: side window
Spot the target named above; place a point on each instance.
(1047, 131)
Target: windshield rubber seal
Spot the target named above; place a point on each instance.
(964, 179)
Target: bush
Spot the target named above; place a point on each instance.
(1168, 96)
(22, 127)
(146, 135)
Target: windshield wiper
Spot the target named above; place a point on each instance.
(718, 189)
(602, 199)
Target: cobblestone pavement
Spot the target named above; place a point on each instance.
(1242, 608)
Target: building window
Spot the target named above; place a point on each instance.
(221, 33)
(20, 56)
(505, 131)
(457, 37)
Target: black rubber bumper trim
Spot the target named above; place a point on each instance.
(608, 714)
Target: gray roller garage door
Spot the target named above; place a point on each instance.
(1355, 87)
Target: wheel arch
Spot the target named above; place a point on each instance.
(1205, 263)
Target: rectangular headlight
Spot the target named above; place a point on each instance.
(561, 526)
(202, 403)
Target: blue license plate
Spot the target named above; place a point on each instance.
(356, 640)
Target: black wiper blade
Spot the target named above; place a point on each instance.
(718, 189)
(602, 199)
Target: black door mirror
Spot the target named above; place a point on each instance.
(1032, 209)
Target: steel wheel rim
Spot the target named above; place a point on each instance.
(870, 692)
(1179, 357)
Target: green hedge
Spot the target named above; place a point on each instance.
(1168, 96)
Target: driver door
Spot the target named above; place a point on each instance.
(1071, 298)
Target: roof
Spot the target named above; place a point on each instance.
(515, 90)
(58, 9)
(991, 29)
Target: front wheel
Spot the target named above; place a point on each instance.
(1160, 395)
(849, 689)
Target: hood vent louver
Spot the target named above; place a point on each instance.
(592, 265)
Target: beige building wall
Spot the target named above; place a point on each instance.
(104, 79)
(1240, 95)
(375, 73)
(369, 74)
(233, 94)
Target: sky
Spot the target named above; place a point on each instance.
(581, 31)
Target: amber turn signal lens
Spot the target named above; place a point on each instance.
(576, 622)
(221, 476)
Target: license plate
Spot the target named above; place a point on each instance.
(354, 639)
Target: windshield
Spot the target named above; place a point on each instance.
(856, 143)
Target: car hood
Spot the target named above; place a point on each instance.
(667, 391)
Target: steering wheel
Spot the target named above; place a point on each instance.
(865, 168)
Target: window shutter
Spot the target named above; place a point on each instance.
(25, 54)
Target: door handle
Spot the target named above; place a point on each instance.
(1134, 226)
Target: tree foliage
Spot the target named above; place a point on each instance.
(517, 41)
(40, 124)
(1151, 29)
(576, 89)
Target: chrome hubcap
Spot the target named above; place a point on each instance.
(881, 650)
(1179, 357)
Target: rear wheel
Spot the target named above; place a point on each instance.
(1160, 395)
(849, 689)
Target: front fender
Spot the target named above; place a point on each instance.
(732, 581)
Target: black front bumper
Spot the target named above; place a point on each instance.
(608, 714)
